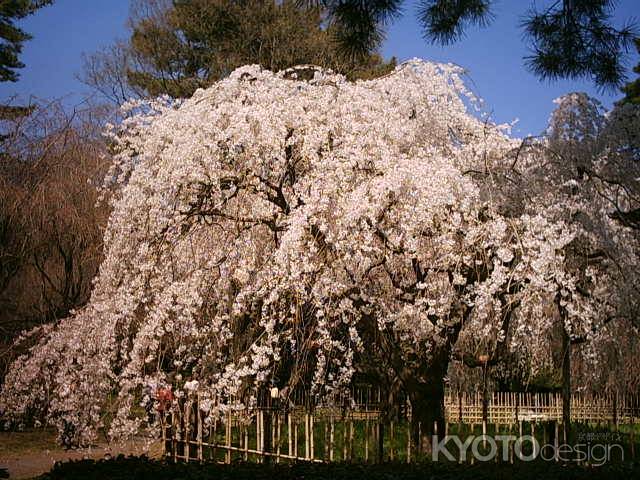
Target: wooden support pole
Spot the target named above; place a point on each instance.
(344, 441)
(409, 433)
(278, 437)
(311, 439)
(632, 438)
(391, 441)
(366, 439)
(215, 440)
(307, 445)
(262, 435)
(331, 438)
(380, 441)
(295, 439)
(272, 431)
(326, 440)
(227, 437)
(350, 438)
(246, 442)
(163, 434)
(555, 440)
(187, 433)
(174, 433)
(199, 430)
(289, 436)
(511, 446)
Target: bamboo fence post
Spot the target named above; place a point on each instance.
(199, 431)
(366, 439)
(295, 438)
(555, 441)
(261, 438)
(325, 439)
(311, 437)
(435, 431)
(215, 439)
(484, 433)
(350, 437)
(272, 431)
(496, 432)
(227, 437)
(520, 429)
(306, 437)
(391, 440)
(533, 432)
(344, 441)
(258, 433)
(246, 442)
(277, 437)
(633, 444)
(331, 438)
(187, 433)
(174, 433)
(290, 449)
(164, 435)
(409, 440)
(511, 444)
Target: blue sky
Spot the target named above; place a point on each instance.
(493, 56)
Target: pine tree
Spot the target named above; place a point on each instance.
(12, 36)
(570, 39)
(632, 89)
(177, 47)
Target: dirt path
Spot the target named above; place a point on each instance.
(29, 454)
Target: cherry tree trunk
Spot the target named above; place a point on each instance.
(427, 407)
(566, 382)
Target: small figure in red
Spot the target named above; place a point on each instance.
(164, 397)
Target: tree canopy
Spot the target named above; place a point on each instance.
(177, 47)
(12, 36)
(272, 230)
(632, 89)
(568, 39)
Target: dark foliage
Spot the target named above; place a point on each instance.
(13, 37)
(569, 39)
(632, 89)
(181, 45)
(575, 39)
(141, 468)
(445, 21)
(360, 24)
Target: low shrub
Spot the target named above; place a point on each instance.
(142, 468)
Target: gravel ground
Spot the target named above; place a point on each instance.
(31, 453)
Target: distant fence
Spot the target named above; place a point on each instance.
(508, 408)
(363, 432)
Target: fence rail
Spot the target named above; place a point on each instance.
(364, 432)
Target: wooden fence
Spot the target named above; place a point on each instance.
(508, 408)
(362, 432)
